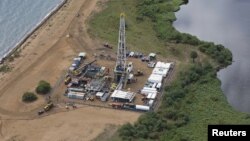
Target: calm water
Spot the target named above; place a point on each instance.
(18, 17)
(226, 22)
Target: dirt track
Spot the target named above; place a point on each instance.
(45, 56)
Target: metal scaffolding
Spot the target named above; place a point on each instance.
(120, 68)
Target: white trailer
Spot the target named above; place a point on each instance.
(146, 92)
(154, 78)
(163, 65)
(160, 71)
(76, 95)
(76, 89)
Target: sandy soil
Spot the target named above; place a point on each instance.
(46, 55)
(78, 125)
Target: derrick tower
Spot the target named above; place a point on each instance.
(120, 67)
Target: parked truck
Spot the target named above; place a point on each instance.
(48, 107)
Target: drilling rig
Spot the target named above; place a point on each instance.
(120, 67)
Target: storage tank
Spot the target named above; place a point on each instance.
(142, 107)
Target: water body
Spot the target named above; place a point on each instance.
(19, 17)
(224, 22)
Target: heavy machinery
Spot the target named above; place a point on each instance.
(79, 71)
(120, 67)
(67, 80)
(48, 107)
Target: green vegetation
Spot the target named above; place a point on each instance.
(220, 54)
(161, 13)
(29, 97)
(193, 55)
(43, 87)
(194, 99)
(5, 68)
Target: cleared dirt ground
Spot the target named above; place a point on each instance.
(79, 125)
(46, 55)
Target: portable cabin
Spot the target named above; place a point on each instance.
(122, 96)
(76, 95)
(154, 78)
(160, 71)
(99, 95)
(163, 65)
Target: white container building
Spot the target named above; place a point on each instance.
(76, 95)
(147, 92)
(122, 96)
(76, 89)
(99, 94)
(153, 96)
(163, 65)
(154, 78)
(160, 71)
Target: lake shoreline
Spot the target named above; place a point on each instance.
(29, 34)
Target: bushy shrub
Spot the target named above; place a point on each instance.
(43, 87)
(29, 97)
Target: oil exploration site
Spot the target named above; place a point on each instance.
(127, 80)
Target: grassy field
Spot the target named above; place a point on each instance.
(140, 36)
(195, 99)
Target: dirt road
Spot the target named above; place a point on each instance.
(46, 55)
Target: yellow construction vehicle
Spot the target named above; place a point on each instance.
(113, 86)
(67, 80)
(48, 106)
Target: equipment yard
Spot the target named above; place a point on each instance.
(95, 84)
(128, 80)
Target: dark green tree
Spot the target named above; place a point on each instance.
(29, 97)
(43, 87)
(193, 55)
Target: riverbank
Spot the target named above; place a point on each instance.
(195, 99)
(32, 31)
